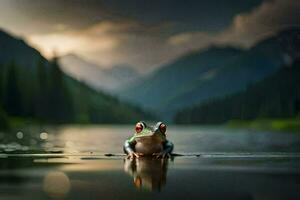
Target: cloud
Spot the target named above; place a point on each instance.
(181, 38)
(108, 43)
(247, 28)
(191, 40)
(130, 42)
(43, 16)
(265, 20)
(137, 37)
(100, 37)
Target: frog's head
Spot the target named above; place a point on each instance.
(158, 131)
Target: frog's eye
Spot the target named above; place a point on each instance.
(139, 127)
(162, 128)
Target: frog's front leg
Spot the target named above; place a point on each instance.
(166, 153)
(128, 148)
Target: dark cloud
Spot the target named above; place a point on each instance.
(72, 14)
(188, 15)
(143, 33)
(249, 27)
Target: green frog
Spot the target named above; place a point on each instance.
(148, 141)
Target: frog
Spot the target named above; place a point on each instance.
(148, 141)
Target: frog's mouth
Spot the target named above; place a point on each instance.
(151, 134)
(150, 138)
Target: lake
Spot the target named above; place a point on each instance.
(87, 162)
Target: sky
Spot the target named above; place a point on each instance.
(143, 33)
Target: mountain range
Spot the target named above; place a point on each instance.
(193, 79)
(209, 73)
(97, 77)
(277, 96)
(33, 87)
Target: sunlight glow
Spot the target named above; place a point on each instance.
(53, 44)
(97, 38)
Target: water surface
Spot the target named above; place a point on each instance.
(87, 162)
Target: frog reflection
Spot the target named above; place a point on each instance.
(147, 173)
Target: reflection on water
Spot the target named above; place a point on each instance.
(184, 178)
(148, 173)
(56, 184)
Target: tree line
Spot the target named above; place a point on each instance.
(39, 92)
(277, 96)
(45, 94)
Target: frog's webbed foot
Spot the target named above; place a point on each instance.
(133, 155)
(162, 155)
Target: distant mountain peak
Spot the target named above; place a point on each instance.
(210, 73)
(75, 58)
(96, 76)
(211, 50)
(121, 70)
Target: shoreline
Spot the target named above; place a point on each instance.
(279, 124)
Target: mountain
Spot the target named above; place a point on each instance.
(107, 79)
(277, 96)
(31, 87)
(209, 73)
(122, 74)
(13, 48)
(154, 90)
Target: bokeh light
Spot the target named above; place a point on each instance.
(56, 184)
(44, 136)
(19, 135)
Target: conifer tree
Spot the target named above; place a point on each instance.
(12, 94)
